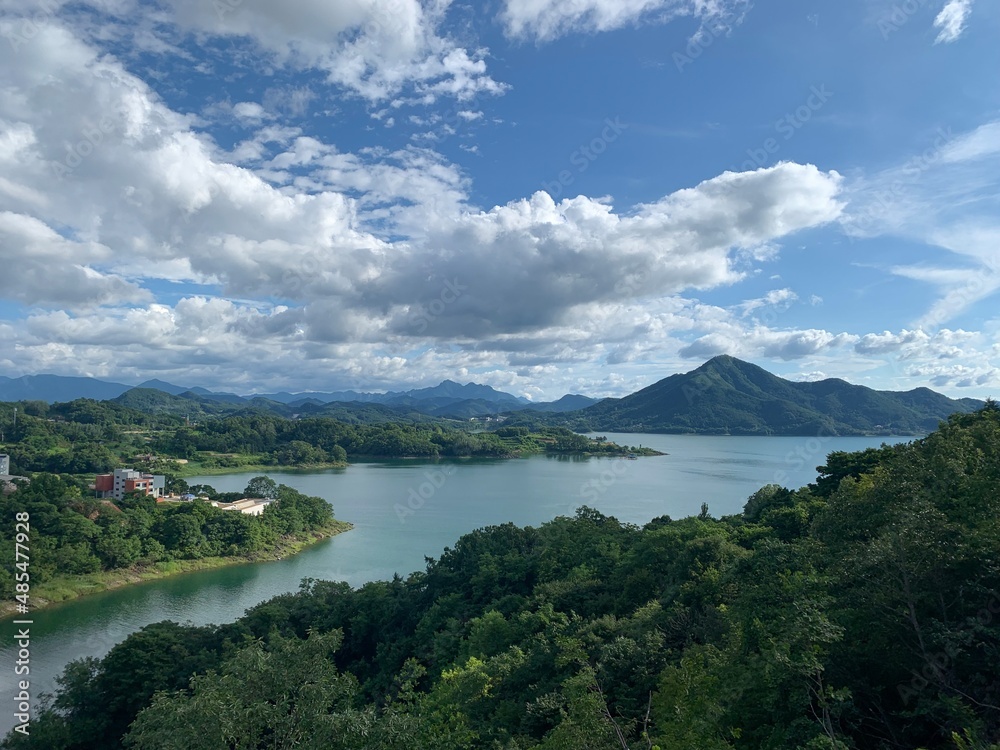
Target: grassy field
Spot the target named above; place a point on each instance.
(64, 588)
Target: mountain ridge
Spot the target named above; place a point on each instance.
(727, 395)
(724, 395)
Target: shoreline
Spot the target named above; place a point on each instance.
(184, 472)
(67, 588)
(187, 473)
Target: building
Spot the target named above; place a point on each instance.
(129, 480)
(7, 485)
(4, 464)
(251, 506)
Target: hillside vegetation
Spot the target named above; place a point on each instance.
(729, 396)
(859, 612)
(81, 544)
(87, 437)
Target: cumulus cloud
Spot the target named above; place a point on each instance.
(942, 358)
(548, 19)
(43, 268)
(151, 186)
(764, 342)
(375, 48)
(531, 262)
(951, 20)
(250, 113)
(776, 298)
(373, 265)
(916, 344)
(368, 259)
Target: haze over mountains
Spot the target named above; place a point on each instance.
(724, 396)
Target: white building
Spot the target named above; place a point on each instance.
(251, 506)
(129, 480)
(4, 464)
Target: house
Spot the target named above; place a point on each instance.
(251, 506)
(128, 480)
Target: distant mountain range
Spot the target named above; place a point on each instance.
(53, 388)
(729, 396)
(723, 396)
(446, 400)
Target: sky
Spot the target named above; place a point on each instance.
(547, 196)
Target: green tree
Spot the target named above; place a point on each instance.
(261, 487)
(288, 696)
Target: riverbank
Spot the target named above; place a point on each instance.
(64, 588)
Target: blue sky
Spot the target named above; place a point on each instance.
(543, 196)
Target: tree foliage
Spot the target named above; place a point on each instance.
(862, 616)
(73, 533)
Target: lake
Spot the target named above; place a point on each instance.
(405, 510)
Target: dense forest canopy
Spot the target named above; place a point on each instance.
(861, 612)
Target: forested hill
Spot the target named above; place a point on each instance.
(861, 612)
(729, 396)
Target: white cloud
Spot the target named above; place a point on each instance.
(376, 48)
(369, 267)
(955, 358)
(43, 268)
(338, 253)
(373, 48)
(809, 377)
(775, 298)
(883, 343)
(757, 342)
(951, 20)
(548, 19)
(250, 113)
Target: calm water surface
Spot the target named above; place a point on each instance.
(403, 511)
